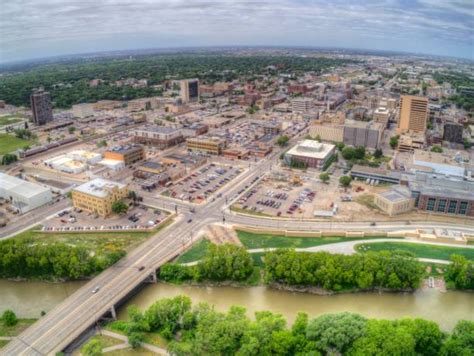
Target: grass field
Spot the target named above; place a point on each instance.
(17, 329)
(123, 240)
(419, 250)
(195, 253)
(9, 119)
(95, 241)
(252, 241)
(106, 341)
(248, 211)
(9, 143)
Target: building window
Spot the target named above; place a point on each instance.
(453, 205)
(441, 205)
(463, 208)
(431, 204)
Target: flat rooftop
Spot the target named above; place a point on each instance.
(437, 158)
(436, 185)
(311, 148)
(125, 149)
(99, 187)
(364, 124)
(20, 186)
(159, 129)
(396, 195)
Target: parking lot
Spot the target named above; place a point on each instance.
(277, 199)
(200, 185)
(137, 218)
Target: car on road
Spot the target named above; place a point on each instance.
(96, 289)
(190, 220)
(141, 268)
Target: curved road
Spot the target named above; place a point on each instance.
(72, 317)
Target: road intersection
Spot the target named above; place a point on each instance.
(62, 325)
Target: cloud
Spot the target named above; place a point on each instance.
(36, 28)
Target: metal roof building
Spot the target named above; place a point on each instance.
(23, 195)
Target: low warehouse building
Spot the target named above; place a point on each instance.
(23, 195)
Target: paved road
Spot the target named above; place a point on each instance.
(67, 321)
(32, 219)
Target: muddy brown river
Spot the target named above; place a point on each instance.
(28, 299)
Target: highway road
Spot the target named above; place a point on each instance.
(62, 325)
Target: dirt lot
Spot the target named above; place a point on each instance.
(300, 195)
(204, 182)
(75, 220)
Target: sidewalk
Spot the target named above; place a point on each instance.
(125, 344)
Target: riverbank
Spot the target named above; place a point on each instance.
(180, 323)
(8, 332)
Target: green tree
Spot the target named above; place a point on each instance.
(460, 273)
(133, 195)
(340, 146)
(168, 315)
(378, 153)
(345, 181)
(92, 348)
(348, 153)
(359, 152)
(437, 149)
(259, 336)
(428, 337)
(102, 143)
(324, 177)
(9, 158)
(219, 333)
(283, 140)
(225, 262)
(135, 339)
(119, 207)
(461, 340)
(300, 324)
(24, 134)
(71, 129)
(335, 333)
(9, 318)
(382, 337)
(394, 141)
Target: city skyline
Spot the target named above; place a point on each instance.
(50, 28)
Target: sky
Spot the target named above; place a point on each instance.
(43, 28)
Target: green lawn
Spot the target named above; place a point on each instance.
(9, 119)
(253, 241)
(17, 329)
(195, 253)
(106, 341)
(124, 240)
(248, 211)
(419, 250)
(9, 143)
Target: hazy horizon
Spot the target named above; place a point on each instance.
(49, 28)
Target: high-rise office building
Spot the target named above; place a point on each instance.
(413, 114)
(189, 90)
(41, 107)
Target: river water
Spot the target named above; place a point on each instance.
(28, 299)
